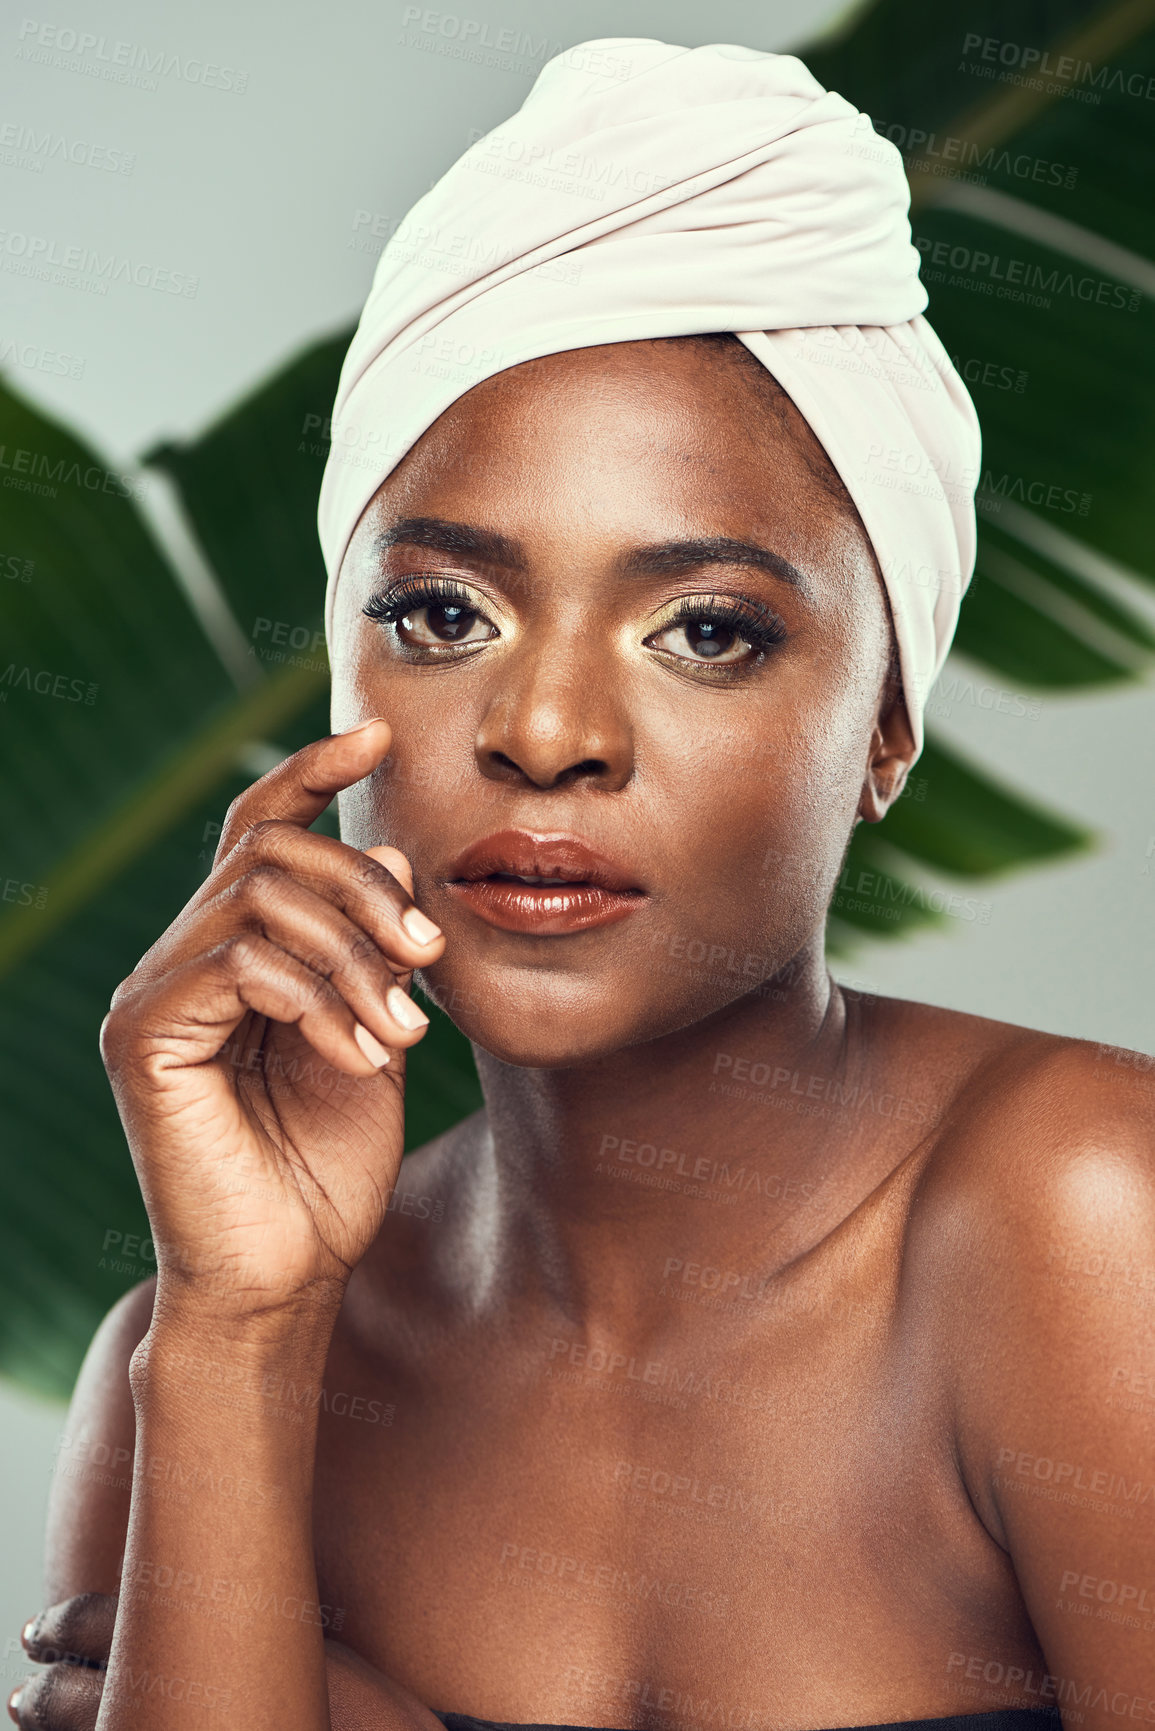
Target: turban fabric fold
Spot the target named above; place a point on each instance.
(645, 190)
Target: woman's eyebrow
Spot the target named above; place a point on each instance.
(446, 537)
(491, 548)
(666, 556)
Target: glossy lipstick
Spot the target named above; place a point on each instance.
(571, 887)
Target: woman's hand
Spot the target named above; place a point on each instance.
(73, 1641)
(247, 1051)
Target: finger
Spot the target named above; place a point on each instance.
(184, 1018)
(75, 1630)
(309, 927)
(395, 864)
(63, 1698)
(359, 882)
(298, 790)
(398, 867)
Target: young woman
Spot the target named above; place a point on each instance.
(762, 1356)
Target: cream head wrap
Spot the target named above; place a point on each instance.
(644, 190)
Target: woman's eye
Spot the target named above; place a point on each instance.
(437, 622)
(704, 640)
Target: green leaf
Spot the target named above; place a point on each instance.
(249, 485)
(873, 899)
(1068, 427)
(957, 819)
(103, 666)
(1064, 592)
(1007, 627)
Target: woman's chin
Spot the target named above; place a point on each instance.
(534, 1024)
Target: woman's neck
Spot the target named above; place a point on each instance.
(707, 1147)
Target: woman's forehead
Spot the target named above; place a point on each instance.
(715, 380)
(680, 420)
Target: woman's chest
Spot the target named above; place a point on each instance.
(556, 1530)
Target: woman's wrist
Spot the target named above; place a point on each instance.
(259, 1310)
(194, 1339)
(222, 1515)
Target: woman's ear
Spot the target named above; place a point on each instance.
(891, 755)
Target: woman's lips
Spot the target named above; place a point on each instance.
(547, 910)
(572, 887)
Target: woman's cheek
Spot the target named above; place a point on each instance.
(802, 823)
(360, 686)
(397, 803)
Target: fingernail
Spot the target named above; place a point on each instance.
(28, 1632)
(420, 929)
(14, 1702)
(360, 726)
(373, 1049)
(402, 1008)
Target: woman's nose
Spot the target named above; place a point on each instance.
(552, 724)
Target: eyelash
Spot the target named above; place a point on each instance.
(417, 592)
(755, 622)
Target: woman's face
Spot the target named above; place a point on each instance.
(613, 602)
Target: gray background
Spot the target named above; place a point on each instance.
(256, 193)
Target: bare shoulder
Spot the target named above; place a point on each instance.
(128, 1321)
(1034, 1125)
(1029, 1252)
(1041, 1159)
(102, 1397)
(92, 1478)
(1037, 1138)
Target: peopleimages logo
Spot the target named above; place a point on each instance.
(36, 471)
(1045, 1686)
(924, 149)
(40, 360)
(23, 147)
(990, 375)
(1049, 495)
(1020, 280)
(1034, 65)
(41, 255)
(120, 62)
(44, 683)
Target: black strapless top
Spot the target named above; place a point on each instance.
(1005, 1719)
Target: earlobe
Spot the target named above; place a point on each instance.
(891, 755)
(884, 782)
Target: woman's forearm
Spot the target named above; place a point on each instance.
(219, 1621)
(289, 955)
